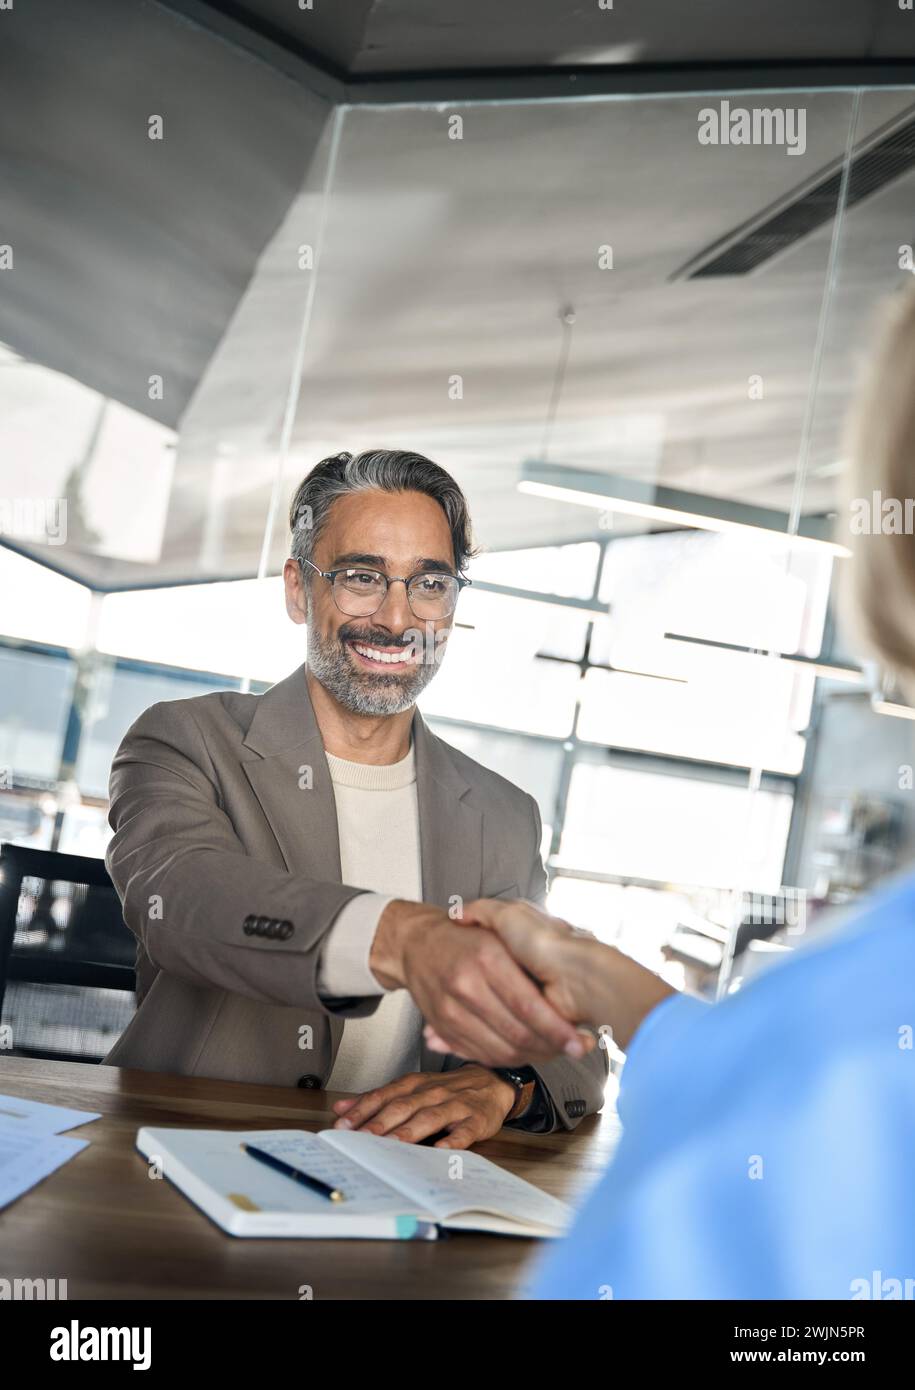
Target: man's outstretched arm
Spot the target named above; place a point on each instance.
(208, 912)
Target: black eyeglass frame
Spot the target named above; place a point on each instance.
(331, 575)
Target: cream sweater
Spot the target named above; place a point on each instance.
(378, 824)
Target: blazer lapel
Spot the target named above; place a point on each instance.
(288, 752)
(450, 829)
(289, 775)
(288, 755)
(451, 841)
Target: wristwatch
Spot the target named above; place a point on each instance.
(524, 1080)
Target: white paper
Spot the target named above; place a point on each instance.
(26, 1158)
(447, 1182)
(220, 1158)
(37, 1118)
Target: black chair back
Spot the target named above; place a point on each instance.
(66, 958)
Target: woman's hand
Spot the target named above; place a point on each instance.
(584, 980)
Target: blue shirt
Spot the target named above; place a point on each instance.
(768, 1145)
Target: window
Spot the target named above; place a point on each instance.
(720, 707)
(491, 675)
(118, 698)
(719, 588)
(38, 605)
(568, 570)
(241, 628)
(35, 694)
(686, 699)
(674, 829)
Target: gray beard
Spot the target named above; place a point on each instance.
(364, 692)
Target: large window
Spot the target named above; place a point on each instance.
(674, 828)
(746, 711)
(119, 695)
(492, 675)
(638, 717)
(35, 694)
(240, 629)
(580, 286)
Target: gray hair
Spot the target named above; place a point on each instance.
(390, 470)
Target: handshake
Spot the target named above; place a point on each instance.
(508, 984)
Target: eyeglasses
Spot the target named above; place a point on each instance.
(361, 592)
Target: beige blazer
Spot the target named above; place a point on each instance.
(226, 859)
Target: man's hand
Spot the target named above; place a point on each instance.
(470, 1104)
(582, 978)
(468, 987)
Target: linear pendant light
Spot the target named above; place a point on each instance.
(829, 670)
(891, 708)
(608, 492)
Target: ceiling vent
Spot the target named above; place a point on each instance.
(883, 157)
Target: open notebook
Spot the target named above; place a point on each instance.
(393, 1191)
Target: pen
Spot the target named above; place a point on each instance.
(333, 1194)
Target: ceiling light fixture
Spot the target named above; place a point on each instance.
(828, 670)
(607, 492)
(881, 706)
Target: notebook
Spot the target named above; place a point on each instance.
(392, 1190)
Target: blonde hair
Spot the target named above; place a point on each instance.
(879, 583)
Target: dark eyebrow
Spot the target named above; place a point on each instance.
(354, 557)
(424, 564)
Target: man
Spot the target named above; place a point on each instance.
(293, 864)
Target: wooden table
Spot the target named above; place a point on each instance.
(103, 1225)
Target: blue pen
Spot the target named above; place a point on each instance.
(333, 1194)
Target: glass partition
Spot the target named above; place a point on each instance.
(629, 328)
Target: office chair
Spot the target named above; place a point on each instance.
(67, 979)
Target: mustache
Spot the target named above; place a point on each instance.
(374, 636)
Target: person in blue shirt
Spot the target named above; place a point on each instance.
(768, 1147)
(768, 1141)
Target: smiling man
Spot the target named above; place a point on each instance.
(293, 863)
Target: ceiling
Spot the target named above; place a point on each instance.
(431, 320)
(367, 38)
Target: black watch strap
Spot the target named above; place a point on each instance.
(520, 1077)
